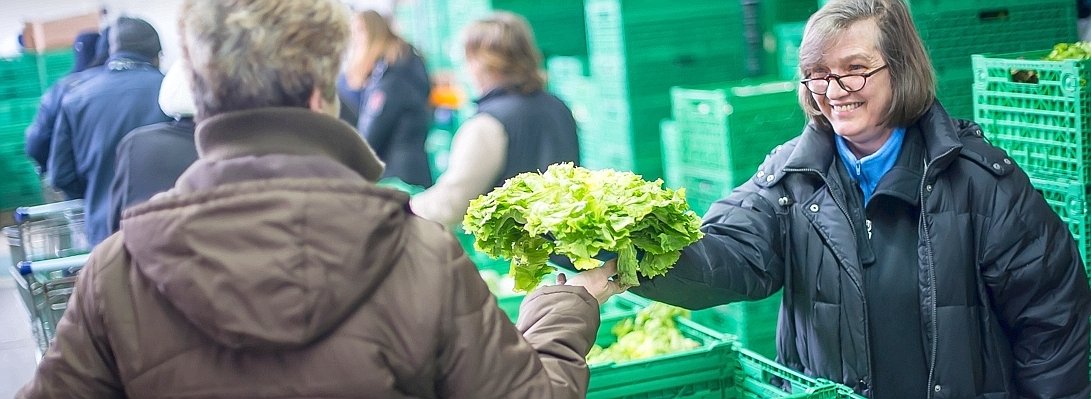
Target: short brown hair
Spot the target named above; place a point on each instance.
(248, 54)
(505, 46)
(911, 76)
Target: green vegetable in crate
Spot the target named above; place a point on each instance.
(580, 213)
(651, 333)
(1070, 51)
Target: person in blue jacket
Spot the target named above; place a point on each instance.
(385, 80)
(95, 115)
(39, 134)
(916, 259)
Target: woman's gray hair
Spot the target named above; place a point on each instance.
(248, 54)
(912, 79)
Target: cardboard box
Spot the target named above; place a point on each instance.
(55, 34)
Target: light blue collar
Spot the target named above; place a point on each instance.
(867, 171)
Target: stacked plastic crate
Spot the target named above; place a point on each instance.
(726, 130)
(954, 30)
(22, 81)
(1040, 113)
(638, 50)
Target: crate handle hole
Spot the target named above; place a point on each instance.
(1001, 14)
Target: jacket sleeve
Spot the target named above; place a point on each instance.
(1039, 291)
(483, 356)
(79, 363)
(62, 160)
(739, 258)
(39, 134)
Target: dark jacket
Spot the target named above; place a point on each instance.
(275, 269)
(39, 135)
(149, 161)
(394, 116)
(1003, 294)
(540, 130)
(94, 117)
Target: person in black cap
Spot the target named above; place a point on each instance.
(97, 113)
(90, 52)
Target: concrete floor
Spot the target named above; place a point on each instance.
(18, 352)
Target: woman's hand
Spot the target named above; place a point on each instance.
(596, 281)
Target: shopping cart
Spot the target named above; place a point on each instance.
(48, 247)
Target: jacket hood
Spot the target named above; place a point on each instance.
(267, 250)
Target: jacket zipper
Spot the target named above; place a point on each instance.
(852, 229)
(931, 277)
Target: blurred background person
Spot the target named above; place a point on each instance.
(150, 158)
(386, 83)
(97, 113)
(518, 126)
(39, 135)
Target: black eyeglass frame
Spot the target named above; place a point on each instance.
(838, 78)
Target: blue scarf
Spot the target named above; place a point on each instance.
(867, 171)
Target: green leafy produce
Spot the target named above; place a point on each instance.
(651, 333)
(578, 213)
(1070, 51)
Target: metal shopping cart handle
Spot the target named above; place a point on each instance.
(45, 266)
(25, 213)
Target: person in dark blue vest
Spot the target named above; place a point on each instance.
(386, 84)
(39, 134)
(519, 127)
(96, 114)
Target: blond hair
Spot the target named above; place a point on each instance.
(912, 79)
(504, 45)
(381, 44)
(261, 53)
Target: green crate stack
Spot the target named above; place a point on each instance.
(568, 80)
(1043, 126)
(789, 35)
(726, 131)
(19, 78)
(21, 186)
(558, 25)
(53, 65)
(639, 48)
(753, 323)
(773, 15)
(423, 23)
(953, 31)
(671, 140)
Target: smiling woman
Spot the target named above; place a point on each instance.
(916, 260)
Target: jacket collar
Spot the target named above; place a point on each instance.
(816, 148)
(285, 130)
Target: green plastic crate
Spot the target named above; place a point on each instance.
(760, 377)
(704, 372)
(788, 37)
(672, 153)
(730, 128)
(18, 111)
(1043, 126)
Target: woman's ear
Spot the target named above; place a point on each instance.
(318, 103)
